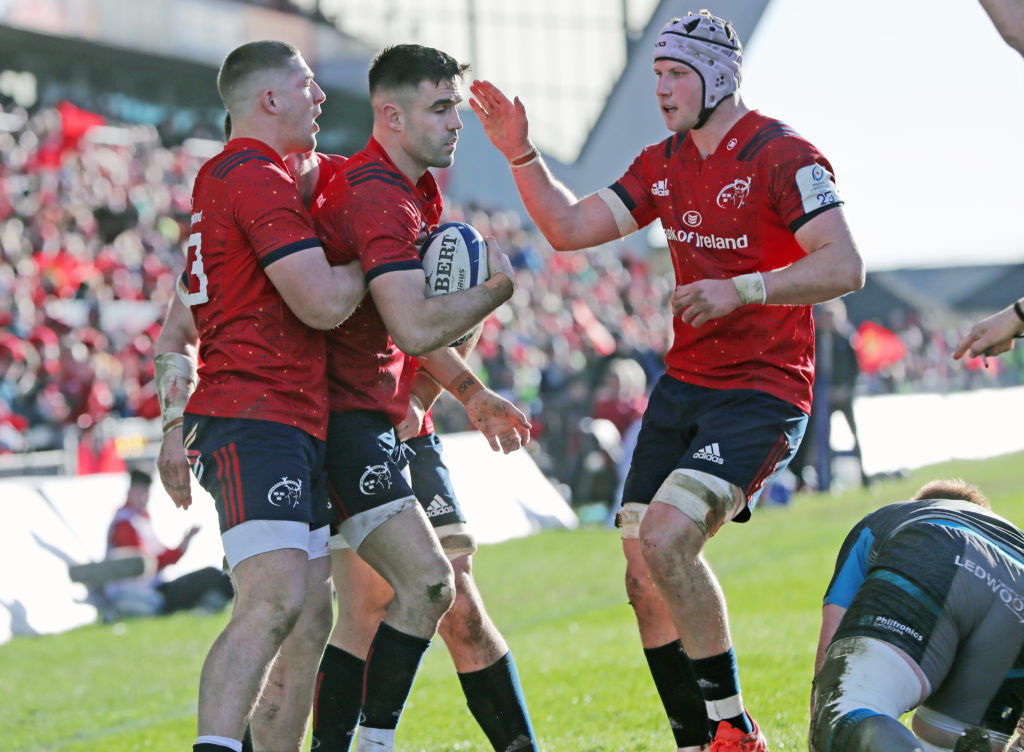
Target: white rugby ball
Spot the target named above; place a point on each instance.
(454, 259)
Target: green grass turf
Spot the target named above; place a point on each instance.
(557, 598)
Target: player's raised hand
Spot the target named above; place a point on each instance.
(173, 469)
(705, 299)
(505, 426)
(504, 120)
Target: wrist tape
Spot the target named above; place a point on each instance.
(175, 376)
(750, 288)
(464, 386)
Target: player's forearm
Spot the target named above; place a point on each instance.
(829, 272)
(1008, 16)
(550, 204)
(440, 320)
(426, 389)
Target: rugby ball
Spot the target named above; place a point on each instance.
(454, 259)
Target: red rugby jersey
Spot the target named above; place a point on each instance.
(732, 213)
(369, 210)
(258, 360)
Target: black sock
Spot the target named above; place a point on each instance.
(209, 747)
(680, 694)
(495, 698)
(390, 670)
(720, 680)
(339, 694)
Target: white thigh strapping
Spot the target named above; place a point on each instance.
(690, 490)
(355, 529)
(878, 676)
(260, 536)
(318, 542)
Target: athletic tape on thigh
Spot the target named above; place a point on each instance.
(260, 536)
(456, 540)
(358, 526)
(318, 542)
(706, 499)
(872, 674)
(629, 517)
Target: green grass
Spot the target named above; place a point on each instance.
(558, 599)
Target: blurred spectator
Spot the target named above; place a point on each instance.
(131, 533)
(835, 380)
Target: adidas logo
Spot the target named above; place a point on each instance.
(710, 453)
(660, 188)
(438, 507)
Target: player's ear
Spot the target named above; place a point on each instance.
(268, 101)
(393, 116)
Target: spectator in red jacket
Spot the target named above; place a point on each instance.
(131, 533)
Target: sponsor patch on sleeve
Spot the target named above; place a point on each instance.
(816, 187)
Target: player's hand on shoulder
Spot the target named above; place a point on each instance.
(506, 427)
(173, 469)
(703, 300)
(499, 264)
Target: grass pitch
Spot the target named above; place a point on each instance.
(558, 599)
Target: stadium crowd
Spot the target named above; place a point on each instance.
(92, 221)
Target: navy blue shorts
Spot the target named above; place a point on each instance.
(364, 463)
(258, 470)
(743, 436)
(431, 481)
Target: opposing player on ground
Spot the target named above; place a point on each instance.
(259, 289)
(757, 234)
(925, 610)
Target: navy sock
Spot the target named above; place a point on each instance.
(495, 698)
(339, 694)
(208, 747)
(390, 670)
(719, 679)
(680, 694)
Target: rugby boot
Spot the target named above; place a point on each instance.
(728, 738)
(973, 740)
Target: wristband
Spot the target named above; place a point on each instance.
(524, 159)
(175, 376)
(750, 288)
(464, 386)
(1018, 310)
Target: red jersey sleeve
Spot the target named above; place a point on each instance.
(646, 174)
(802, 185)
(383, 223)
(269, 212)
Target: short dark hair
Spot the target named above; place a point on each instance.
(953, 488)
(249, 59)
(138, 477)
(410, 65)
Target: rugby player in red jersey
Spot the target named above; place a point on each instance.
(757, 235)
(375, 207)
(260, 290)
(385, 386)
